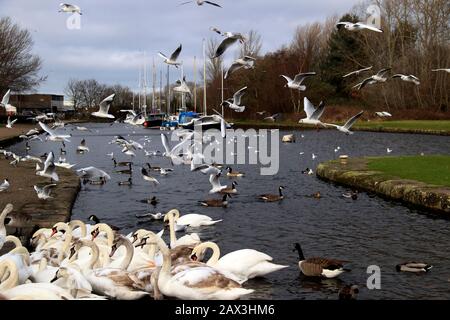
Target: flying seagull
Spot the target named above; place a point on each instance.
(409, 78)
(356, 26)
(312, 114)
(173, 58)
(272, 118)
(82, 148)
(9, 123)
(215, 183)
(376, 78)
(383, 114)
(346, 127)
(201, 2)
(245, 62)
(297, 82)
(53, 136)
(66, 7)
(230, 39)
(49, 170)
(104, 108)
(437, 70)
(5, 99)
(235, 102)
(357, 72)
(44, 192)
(91, 173)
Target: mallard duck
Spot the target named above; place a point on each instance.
(216, 202)
(273, 197)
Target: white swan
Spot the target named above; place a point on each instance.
(193, 220)
(189, 239)
(243, 264)
(8, 209)
(21, 259)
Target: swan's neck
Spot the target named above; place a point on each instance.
(95, 254)
(14, 240)
(13, 277)
(164, 274)
(216, 252)
(173, 236)
(78, 224)
(42, 264)
(129, 255)
(66, 244)
(102, 227)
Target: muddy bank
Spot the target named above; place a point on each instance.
(355, 174)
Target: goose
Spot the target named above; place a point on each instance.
(380, 77)
(216, 202)
(104, 108)
(243, 264)
(346, 127)
(82, 148)
(45, 191)
(66, 7)
(245, 62)
(201, 2)
(231, 190)
(53, 136)
(122, 163)
(49, 170)
(356, 26)
(415, 267)
(187, 240)
(357, 72)
(9, 123)
(235, 102)
(202, 283)
(348, 292)
(231, 173)
(215, 183)
(312, 114)
(5, 185)
(148, 177)
(409, 78)
(319, 267)
(128, 182)
(173, 58)
(125, 171)
(230, 39)
(153, 168)
(193, 220)
(273, 197)
(296, 84)
(11, 289)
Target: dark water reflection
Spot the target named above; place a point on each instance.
(369, 231)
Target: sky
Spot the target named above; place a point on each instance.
(114, 34)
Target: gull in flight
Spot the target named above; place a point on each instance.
(173, 58)
(171, 152)
(357, 72)
(409, 78)
(201, 2)
(216, 30)
(230, 39)
(148, 177)
(215, 183)
(383, 114)
(312, 114)
(104, 108)
(235, 102)
(61, 163)
(389, 150)
(5, 99)
(245, 62)
(5, 185)
(44, 192)
(296, 84)
(66, 7)
(442, 69)
(376, 78)
(53, 136)
(10, 123)
(91, 173)
(356, 26)
(182, 87)
(346, 127)
(272, 118)
(31, 137)
(49, 170)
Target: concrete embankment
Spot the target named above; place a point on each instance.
(355, 174)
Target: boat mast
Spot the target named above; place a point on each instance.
(140, 87)
(195, 84)
(204, 78)
(168, 90)
(153, 84)
(183, 101)
(221, 68)
(160, 90)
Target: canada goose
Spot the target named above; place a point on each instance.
(348, 292)
(152, 168)
(100, 181)
(231, 190)
(413, 267)
(148, 177)
(61, 151)
(128, 182)
(122, 164)
(319, 267)
(272, 197)
(95, 219)
(125, 171)
(216, 202)
(231, 173)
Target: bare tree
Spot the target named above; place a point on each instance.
(252, 45)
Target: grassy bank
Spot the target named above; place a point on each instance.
(433, 170)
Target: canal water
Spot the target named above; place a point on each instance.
(368, 231)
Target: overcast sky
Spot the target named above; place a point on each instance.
(114, 33)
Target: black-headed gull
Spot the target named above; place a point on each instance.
(442, 69)
(71, 8)
(53, 136)
(235, 102)
(376, 78)
(357, 72)
(245, 62)
(173, 58)
(346, 127)
(201, 2)
(296, 84)
(104, 108)
(312, 114)
(230, 39)
(45, 191)
(9, 123)
(356, 26)
(49, 170)
(407, 78)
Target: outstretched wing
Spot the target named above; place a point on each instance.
(340, 25)
(225, 44)
(287, 78)
(213, 4)
(308, 107)
(5, 99)
(352, 120)
(106, 103)
(383, 71)
(165, 143)
(299, 78)
(46, 128)
(238, 96)
(365, 26)
(235, 66)
(319, 111)
(176, 53)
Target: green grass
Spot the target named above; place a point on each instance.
(433, 170)
(438, 125)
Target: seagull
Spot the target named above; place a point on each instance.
(357, 72)
(312, 114)
(313, 156)
(245, 62)
(10, 123)
(201, 2)
(5, 185)
(44, 192)
(383, 114)
(30, 138)
(216, 30)
(104, 108)
(82, 148)
(389, 150)
(297, 82)
(230, 39)
(91, 173)
(346, 127)
(182, 87)
(52, 134)
(65, 7)
(173, 58)
(377, 78)
(261, 113)
(5, 100)
(32, 132)
(148, 177)
(272, 118)
(437, 70)
(170, 152)
(49, 170)
(235, 102)
(61, 163)
(356, 26)
(409, 78)
(215, 183)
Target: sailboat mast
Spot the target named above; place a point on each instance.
(145, 85)
(195, 84)
(168, 90)
(140, 87)
(204, 78)
(221, 68)
(160, 90)
(153, 84)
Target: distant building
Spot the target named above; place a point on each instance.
(28, 104)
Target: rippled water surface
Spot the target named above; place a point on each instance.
(369, 231)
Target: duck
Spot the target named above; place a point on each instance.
(273, 197)
(193, 220)
(351, 195)
(231, 190)
(415, 267)
(348, 292)
(319, 267)
(308, 171)
(128, 182)
(317, 195)
(243, 264)
(217, 203)
(232, 174)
